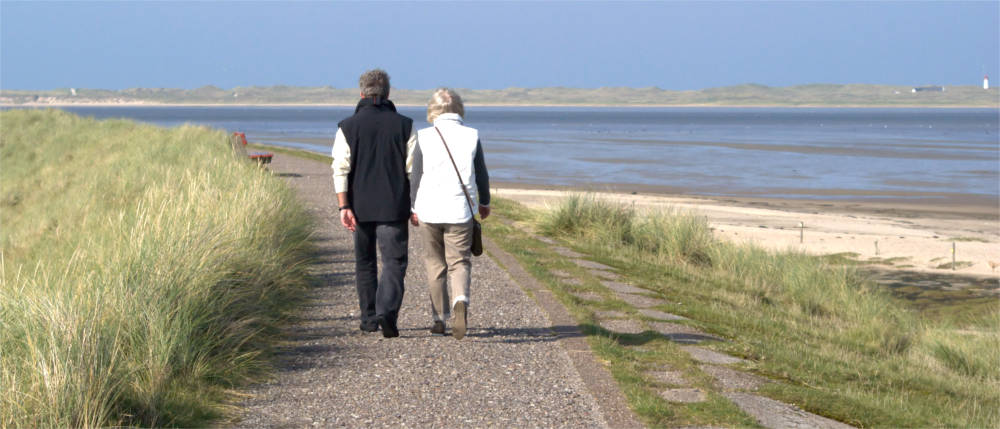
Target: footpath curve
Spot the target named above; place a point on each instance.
(514, 368)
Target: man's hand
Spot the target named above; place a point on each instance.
(484, 211)
(347, 219)
(414, 220)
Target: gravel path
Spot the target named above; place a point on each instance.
(510, 370)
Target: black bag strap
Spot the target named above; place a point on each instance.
(468, 199)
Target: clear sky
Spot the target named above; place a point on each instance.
(671, 45)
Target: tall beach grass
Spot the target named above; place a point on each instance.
(839, 344)
(143, 270)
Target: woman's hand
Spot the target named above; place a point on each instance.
(414, 220)
(484, 211)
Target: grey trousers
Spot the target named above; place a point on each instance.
(381, 298)
(448, 263)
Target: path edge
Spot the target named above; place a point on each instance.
(598, 380)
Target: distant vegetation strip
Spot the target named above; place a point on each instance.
(829, 95)
(143, 271)
(835, 343)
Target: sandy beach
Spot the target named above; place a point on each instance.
(914, 237)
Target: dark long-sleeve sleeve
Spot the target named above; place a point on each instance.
(482, 176)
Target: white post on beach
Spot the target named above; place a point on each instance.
(953, 256)
(876, 247)
(802, 231)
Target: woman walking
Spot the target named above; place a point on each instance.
(448, 178)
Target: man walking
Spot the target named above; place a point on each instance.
(372, 156)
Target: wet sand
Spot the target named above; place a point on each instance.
(915, 236)
(894, 196)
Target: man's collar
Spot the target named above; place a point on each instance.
(376, 102)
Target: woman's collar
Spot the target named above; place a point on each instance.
(448, 117)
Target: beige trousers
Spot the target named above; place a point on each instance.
(448, 265)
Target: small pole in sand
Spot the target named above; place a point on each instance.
(876, 247)
(953, 256)
(802, 232)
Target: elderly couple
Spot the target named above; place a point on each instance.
(385, 173)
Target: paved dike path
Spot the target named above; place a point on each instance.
(523, 363)
(512, 368)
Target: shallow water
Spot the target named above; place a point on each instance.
(927, 154)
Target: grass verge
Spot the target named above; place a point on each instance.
(836, 344)
(143, 271)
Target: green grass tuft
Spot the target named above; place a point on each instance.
(621, 226)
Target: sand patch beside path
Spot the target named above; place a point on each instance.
(915, 237)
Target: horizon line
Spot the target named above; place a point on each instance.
(750, 84)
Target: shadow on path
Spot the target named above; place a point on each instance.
(524, 335)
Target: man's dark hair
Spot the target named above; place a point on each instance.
(374, 83)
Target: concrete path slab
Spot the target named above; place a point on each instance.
(639, 301)
(566, 252)
(657, 314)
(589, 296)
(571, 281)
(685, 395)
(682, 333)
(591, 264)
(673, 378)
(543, 239)
(704, 355)
(605, 275)
(567, 278)
(622, 326)
(622, 287)
(731, 379)
(561, 274)
(609, 314)
(778, 415)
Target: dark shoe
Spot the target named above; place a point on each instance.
(388, 328)
(438, 329)
(369, 327)
(458, 331)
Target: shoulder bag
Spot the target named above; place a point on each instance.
(477, 229)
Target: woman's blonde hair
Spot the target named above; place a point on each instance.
(444, 100)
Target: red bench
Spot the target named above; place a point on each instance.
(260, 158)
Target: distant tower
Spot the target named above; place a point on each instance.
(986, 82)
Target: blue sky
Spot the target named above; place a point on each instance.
(671, 45)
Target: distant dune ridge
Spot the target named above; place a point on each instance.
(819, 95)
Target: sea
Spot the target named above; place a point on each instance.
(927, 154)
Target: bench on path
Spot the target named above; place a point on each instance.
(238, 141)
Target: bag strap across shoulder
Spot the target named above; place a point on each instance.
(468, 199)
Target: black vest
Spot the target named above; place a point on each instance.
(378, 188)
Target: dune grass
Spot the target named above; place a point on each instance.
(143, 270)
(837, 344)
